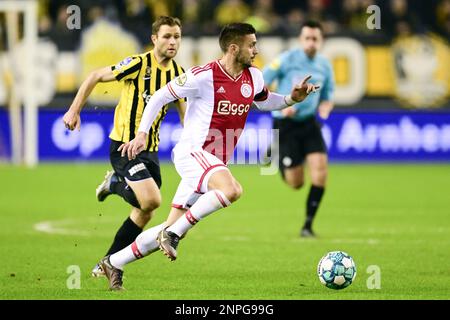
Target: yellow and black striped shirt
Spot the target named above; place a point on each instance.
(142, 76)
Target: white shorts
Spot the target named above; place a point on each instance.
(195, 169)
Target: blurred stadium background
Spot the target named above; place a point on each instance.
(392, 84)
(392, 90)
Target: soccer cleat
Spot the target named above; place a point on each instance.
(97, 271)
(168, 243)
(307, 233)
(103, 190)
(113, 274)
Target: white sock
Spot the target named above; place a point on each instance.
(205, 205)
(144, 244)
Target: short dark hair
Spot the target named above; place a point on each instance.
(234, 32)
(165, 20)
(312, 24)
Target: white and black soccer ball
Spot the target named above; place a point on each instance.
(336, 270)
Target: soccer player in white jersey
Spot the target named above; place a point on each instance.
(219, 95)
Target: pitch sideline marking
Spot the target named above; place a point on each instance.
(56, 227)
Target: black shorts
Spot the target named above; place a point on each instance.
(297, 140)
(144, 166)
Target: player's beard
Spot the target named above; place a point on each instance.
(245, 62)
(167, 54)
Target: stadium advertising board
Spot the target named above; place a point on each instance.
(394, 136)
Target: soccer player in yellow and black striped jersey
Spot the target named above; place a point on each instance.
(137, 181)
(142, 76)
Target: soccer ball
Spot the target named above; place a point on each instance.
(336, 270)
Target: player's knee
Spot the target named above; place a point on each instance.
(293, 179)
(233, 192)
(150, 204)
(295, 183)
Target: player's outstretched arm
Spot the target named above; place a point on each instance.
(71, 118)
(269, 101)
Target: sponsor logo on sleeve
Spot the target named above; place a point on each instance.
(123, 63)
(181, 80)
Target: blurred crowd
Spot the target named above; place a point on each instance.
(272, 17)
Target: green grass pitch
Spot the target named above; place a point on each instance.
(396, 217)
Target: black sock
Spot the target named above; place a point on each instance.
(126, 234)
(312, 204)
(122, 189)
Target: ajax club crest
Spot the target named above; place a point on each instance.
(246, 90)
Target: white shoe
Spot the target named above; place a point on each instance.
(103, 190)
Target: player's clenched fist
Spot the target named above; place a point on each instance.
(72, 120)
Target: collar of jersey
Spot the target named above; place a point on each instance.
(227, 74)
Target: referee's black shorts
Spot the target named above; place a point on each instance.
(297, 140)
(144, 166)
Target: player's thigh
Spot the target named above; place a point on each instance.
(200, 172)
(145, 165)
(220, 179)
(224, 181)
(142, 175)
(318, 168)
(147, 193)
(197, 169)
